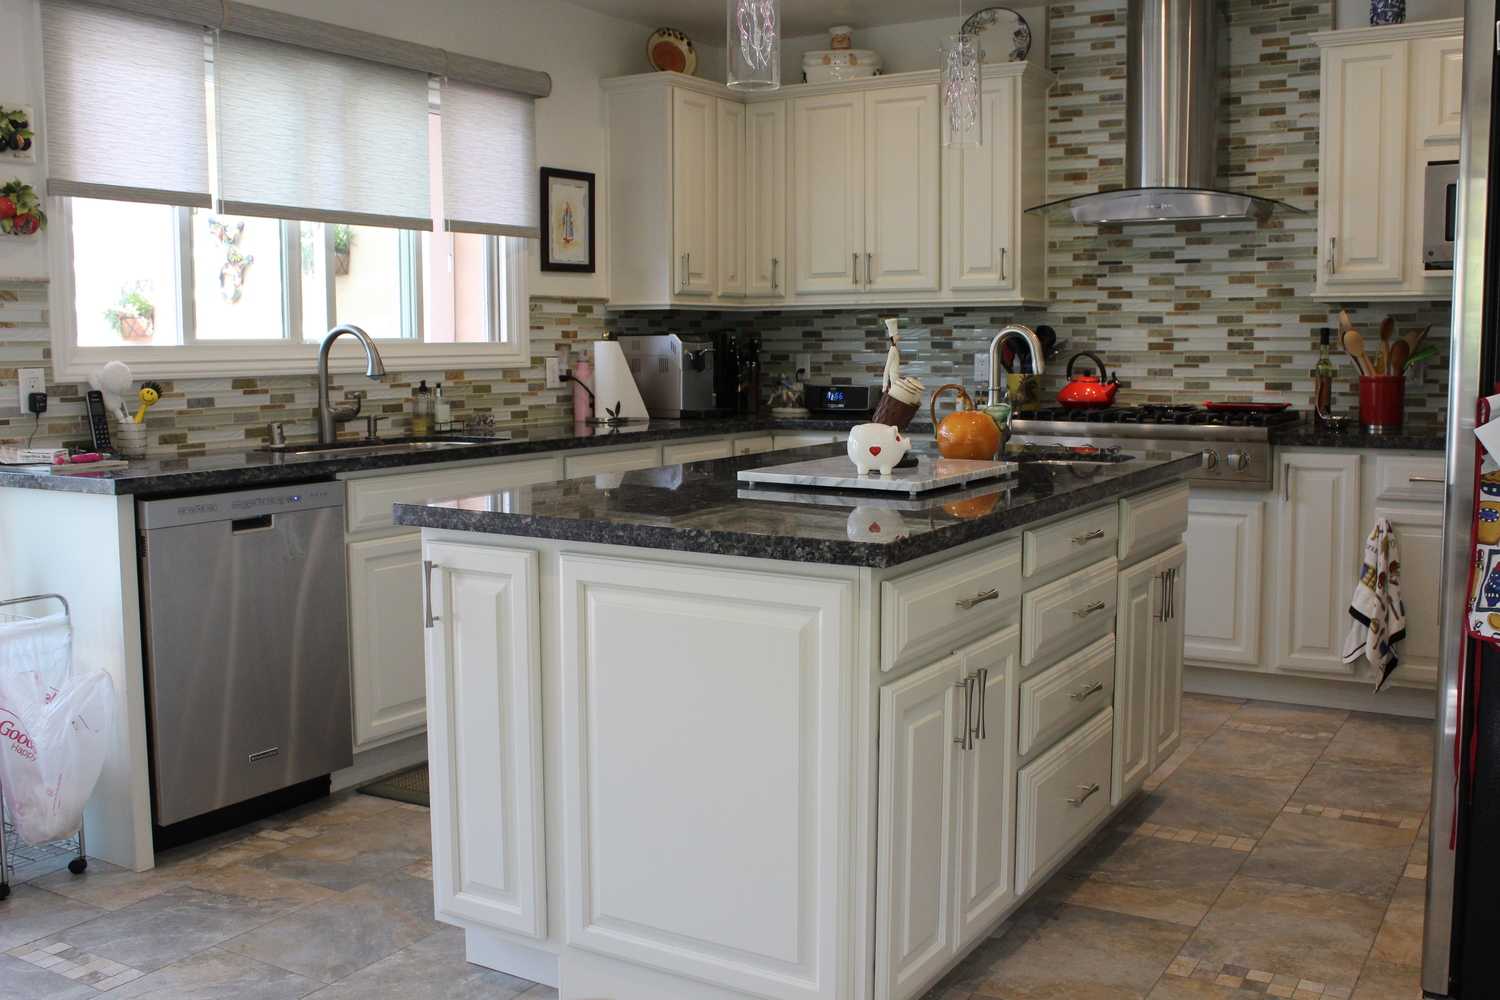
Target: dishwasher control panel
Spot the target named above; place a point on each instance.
(240, 503)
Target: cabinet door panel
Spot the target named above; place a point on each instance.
(980, 221)
(1363, 211)
(1135, 625)
(1222, 617)
(694, 199)
(1318, 556)
(765, 198)
(731, 198)
(1419, 535)
(1437, 99)
(484, 669)
(385, 639)
(987, 819)
(1166, 657)
(921, 716)
(902, 158)
(828, 152)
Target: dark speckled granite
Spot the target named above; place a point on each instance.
(1417, 435)
(253, 469)
(702, 507)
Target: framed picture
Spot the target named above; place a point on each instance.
(567, 221)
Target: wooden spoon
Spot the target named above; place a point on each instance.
(1387, 328)
(1400, 353)
(1354, 346)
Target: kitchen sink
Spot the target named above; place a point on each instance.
(382, 446)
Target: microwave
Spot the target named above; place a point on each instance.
(1440, 215)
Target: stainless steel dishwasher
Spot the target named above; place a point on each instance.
(247, 647)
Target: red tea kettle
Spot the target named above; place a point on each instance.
(1088, 390)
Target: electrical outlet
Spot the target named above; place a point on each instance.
(554, 373)
(31, 380)
(981, 367)
(804, 363)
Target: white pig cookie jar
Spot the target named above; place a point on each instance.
(875, 447)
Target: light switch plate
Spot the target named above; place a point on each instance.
(31, 380)
(981, 367)
(554, 373)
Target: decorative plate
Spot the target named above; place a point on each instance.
(1009, 28)
(671, 50)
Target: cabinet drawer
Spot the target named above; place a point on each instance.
(1078, 541)
(1410, 477)
(753, 445)
(369, 500)
(1056, 699)
(627, 460)
(694, 451)
(1060, 798)
(1152, 521)
(1068, 613)
(805, 439)
(938, 607)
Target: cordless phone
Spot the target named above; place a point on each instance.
(98, 422)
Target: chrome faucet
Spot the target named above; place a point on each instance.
(329, 416)
(998, 390)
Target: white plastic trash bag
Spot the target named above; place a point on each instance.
(54, 729)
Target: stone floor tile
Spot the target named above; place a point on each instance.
(246, 882)
(32, 912)
(1377, 740)
(1379, 981)
(337, 936)
(432, 967)
(1288, 929)
(1202, 714)
(218, 973)
(24, 981)
(1398, 791)
(339, 860)
(1172, 988)
(108, 886)
(1209, 801)
(1343, 855)
(1255, 755)
(1399, 942)
(1297, 718)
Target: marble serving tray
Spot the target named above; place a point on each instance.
(930, 473)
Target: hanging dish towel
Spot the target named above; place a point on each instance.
(1376, 607)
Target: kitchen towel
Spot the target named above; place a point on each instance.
(1376, 607)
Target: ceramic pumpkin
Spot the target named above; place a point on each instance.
(966, 432)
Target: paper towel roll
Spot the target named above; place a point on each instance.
(613, 383)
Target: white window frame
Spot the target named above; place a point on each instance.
(198, 359)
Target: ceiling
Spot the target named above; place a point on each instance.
(704, 19)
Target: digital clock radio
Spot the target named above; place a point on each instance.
(855, 400)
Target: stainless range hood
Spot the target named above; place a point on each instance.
(1172, 126)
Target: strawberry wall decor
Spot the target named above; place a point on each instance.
(20, 209)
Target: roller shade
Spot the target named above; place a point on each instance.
(127, 113)
(311, 135)
(489, 161)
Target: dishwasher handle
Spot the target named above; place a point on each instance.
(260, 522)
(428, 618)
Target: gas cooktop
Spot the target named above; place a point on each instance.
(1182, 415)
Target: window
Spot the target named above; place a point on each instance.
(243, 295)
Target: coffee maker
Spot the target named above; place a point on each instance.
(677, 373)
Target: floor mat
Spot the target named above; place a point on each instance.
(403, 786)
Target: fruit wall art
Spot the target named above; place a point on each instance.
(20, 209)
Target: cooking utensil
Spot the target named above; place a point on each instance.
(968, 432)
(1088, 390)
(1233, 407)
(1397, 357)
(1354, 346)
(1387, 328)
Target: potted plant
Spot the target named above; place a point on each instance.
(20, 209)
(134, 316)
(343, 239)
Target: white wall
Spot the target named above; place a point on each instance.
(907, 47)
(1356, 13)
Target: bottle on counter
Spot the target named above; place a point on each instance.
(421, 412)
(1322, 380)
(442, 410)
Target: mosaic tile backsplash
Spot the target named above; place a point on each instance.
(1182, 312)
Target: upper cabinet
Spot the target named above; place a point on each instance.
(825, 194)
(1390, 107)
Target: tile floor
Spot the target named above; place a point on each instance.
(1279, 853)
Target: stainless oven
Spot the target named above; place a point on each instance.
(1440, 215)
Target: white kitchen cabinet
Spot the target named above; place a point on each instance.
(1225, 541)
(695, 206)
(764, 201)
(1317, 557)
(385, 638)
(1148, 669)
(695, 451)
(484, 665)
(754, 445)
(804, 439)
(1419, 535)
(1438, 93)
(828, 154)
(945, 816)
(1166, 658)
(1061, 798)
(730, 199)
(620, 460)
(903, 223)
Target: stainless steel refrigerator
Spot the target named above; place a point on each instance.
(1460, 955)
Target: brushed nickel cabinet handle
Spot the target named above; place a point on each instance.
(967, 684)
(1084, 692)
(1088, 536)
(854, 268)
(775, 266)
(1286, 482)
(965, 603)
(1425, 479)
(982, 681)
(1084, 792)
(1002, 263)
(1087, 610)
(427, 616)
(1332, 265)
(869, 269)
(683, 260)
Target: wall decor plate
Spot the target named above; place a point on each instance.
(1004, 34)
(672, 51)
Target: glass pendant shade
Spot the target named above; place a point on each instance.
(754, 44)
(963, 116)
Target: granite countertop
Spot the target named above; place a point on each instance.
(703, 507)
(1415, 435)
(153, 477)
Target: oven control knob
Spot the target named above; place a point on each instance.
(1210, 459)
(1238, 461)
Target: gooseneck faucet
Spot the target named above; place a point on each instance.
(329, 416)
(1033, 344)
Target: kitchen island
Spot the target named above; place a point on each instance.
(695, 739)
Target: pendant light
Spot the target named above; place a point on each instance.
(963, 112)
(754, 44)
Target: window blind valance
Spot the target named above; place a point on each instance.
(127, 116)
